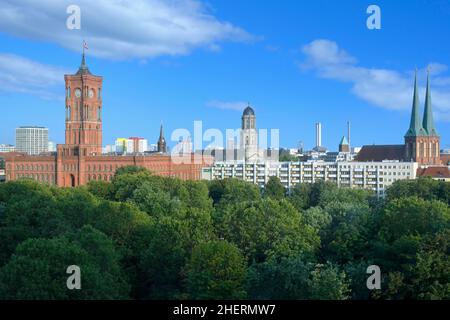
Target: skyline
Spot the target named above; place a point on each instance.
(283, 75)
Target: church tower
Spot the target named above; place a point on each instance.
(432, 141)
(422, 142)
(84, 110)
(162, 146)
(249, 135)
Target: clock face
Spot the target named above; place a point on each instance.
(91, 93)
(77, 93)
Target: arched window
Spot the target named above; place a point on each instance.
(99, 113)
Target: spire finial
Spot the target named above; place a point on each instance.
(83, 67)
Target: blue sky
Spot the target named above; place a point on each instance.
(296, 62)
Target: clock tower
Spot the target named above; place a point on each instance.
(84, 111)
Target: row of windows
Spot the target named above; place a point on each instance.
(106, 168)
(49, 178)
(78, 115)
(99, 177)
(35, 167)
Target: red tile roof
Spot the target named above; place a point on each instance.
(445, 158)
(434, 172)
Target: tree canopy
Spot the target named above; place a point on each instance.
(144, 236)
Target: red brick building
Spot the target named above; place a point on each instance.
(80, 159)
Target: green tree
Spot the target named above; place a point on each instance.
(30, 210)
(328, 283)
(265, 228)
(274, 188)
(37, 270)
(216, 270)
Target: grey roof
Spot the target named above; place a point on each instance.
(379, 153)
(249, 111)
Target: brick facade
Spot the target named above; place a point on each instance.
(80, 159)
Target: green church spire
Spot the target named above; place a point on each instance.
(415, 126)
(428, 123)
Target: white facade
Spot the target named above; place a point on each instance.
(7, 148)
(51, 146)
(32, 140)
(375, 176)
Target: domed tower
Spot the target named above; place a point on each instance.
(249, 135)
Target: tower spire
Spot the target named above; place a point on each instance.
(415, 126)
(162, 146)
(83, 67)
(428, 122)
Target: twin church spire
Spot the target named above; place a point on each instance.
(425, 127)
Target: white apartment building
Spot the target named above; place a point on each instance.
(375, 176)
(32, 140)
(7, 148)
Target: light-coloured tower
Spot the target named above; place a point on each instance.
(249, 135)
(318, 135)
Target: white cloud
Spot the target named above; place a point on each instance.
(236, 106)
(121, 29)
(18, 74)
(381, 87)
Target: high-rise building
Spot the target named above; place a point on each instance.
(137, 145)
(32, 140)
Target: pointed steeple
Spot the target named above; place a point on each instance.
(162, 146)
(415, 126)
(83, 67)
(343, 141)
(428, 122)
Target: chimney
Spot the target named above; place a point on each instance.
(348, 135)
(318, 135)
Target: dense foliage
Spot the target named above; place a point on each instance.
(148, 237)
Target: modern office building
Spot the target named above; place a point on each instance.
(375, 176)
(32, 140)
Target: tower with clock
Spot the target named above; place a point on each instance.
(84, 111)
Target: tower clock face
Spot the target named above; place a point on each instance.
(77, 93)
(91, 93)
